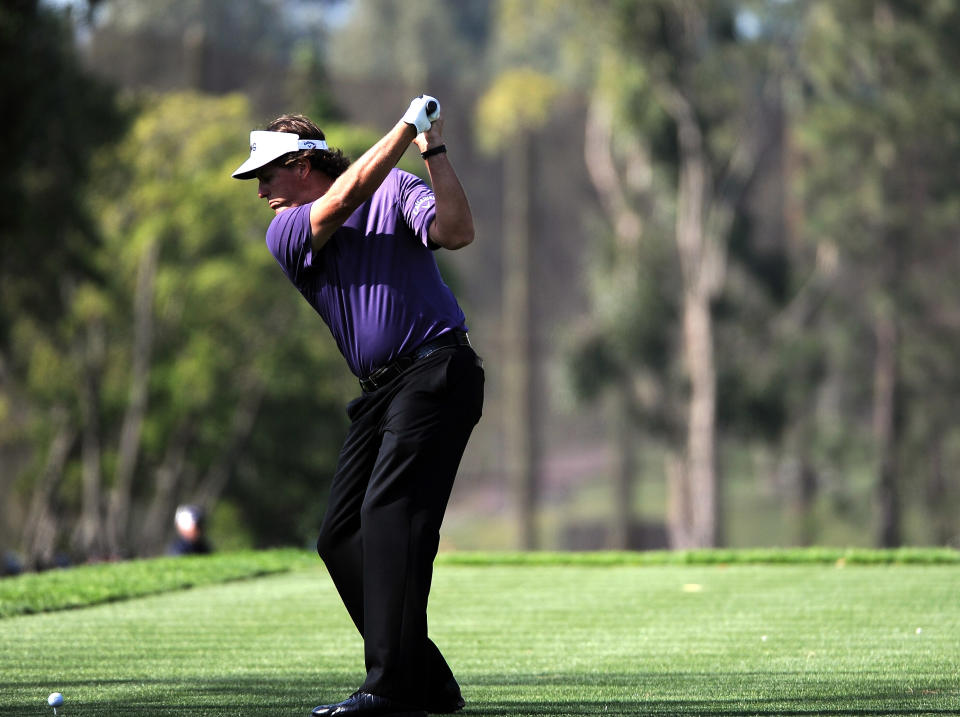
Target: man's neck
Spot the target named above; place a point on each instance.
(320, 186)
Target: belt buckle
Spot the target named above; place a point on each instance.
(377, 379)
(372, 382)
(385, 374)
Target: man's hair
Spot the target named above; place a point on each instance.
(331, 162)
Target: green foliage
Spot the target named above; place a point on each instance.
(56, 119)
(415, 43)
(227, 324)
(631, 336)
(869, 104)
(638, 70)
(243, 380)
(551, 37)
(879, 146)
(520, 100)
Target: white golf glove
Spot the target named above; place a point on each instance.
(422, 112)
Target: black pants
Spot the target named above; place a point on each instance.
(381, 531)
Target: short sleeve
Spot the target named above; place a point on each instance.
(288, 239)
(417, 205)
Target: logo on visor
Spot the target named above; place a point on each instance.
(308, 145)
(253, 147)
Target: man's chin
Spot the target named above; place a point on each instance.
(278, 209)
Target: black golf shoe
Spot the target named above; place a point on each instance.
(367, 705)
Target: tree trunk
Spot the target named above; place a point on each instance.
(625, 192)
(88, 536)
(521, 439)
(610, 183)
(700, 470)
(118, 517)
(214, 482)
(679, 519)
(702, 271)
(805, 495)
(940, 505)
(159, 515)
(885, 432)
(40, 528)
(623, 494)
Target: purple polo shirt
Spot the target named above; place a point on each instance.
(375, 282)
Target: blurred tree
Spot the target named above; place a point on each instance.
(190, 373)
(710, 85)
(675, 133)
(56, 118)
(160, 365)
(270, 50)
(518, 104)
(416, 43)
(624, 348)
(880, 149)
(231, 345)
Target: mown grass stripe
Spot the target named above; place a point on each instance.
(109, 582)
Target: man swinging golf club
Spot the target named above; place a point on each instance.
(357, 240)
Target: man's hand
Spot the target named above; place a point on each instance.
(433, 137)
(423, 110)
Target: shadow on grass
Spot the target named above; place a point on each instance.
(523, 709)
(509, 695)
(195, 697)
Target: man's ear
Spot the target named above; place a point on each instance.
(303, 168)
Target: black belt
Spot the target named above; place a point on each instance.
(385, 374)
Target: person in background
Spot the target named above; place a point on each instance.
(10, 565)
(189, 521)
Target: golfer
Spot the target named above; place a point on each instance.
(357, 241)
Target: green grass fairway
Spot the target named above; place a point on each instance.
(535, 639)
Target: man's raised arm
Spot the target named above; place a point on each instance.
(365, 175)
(452, 226)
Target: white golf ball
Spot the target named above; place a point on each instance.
(55, 699)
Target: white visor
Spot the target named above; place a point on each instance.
(267, 146)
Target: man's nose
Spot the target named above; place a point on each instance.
(262, 190)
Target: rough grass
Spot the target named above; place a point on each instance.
(757, 556)
(725, 638)
(85, 585)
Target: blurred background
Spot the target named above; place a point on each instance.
(715, 281)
